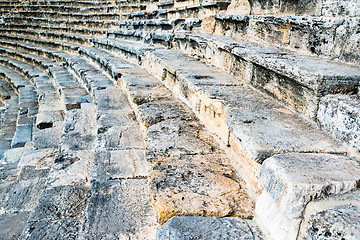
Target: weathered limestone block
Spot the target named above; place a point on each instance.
(201, 228)
(20, 196)
(119, 210)
(336, 217)
(177, 137)
(37, 159)
(22, 136)
(340, 116)
(48, 137)
(346, 8)
(121, 137)
(338, 223)
(120, 164)
(156, 111)
(198, 185)
(293, 180)
(62, 202)
(62, 229)
(79, 128)
(239, 7)
(71, 168)
(12, 224)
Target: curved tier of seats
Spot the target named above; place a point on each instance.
(153, 110)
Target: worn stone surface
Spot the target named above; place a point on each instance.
(71, 168)
(120, 164)
(63, 229)
(12, 224)
(341, 222)
(340, 116)
(21, 196)
(63, 202)
(160, 110)
(207, 228)
(199, 185)
(177, 137)
(79, 128)
(291, 181)
(119, 210)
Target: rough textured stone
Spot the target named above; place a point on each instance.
(22, 195)
(63, 202)
(202, 228)
(160, 110)
(291, 181)
(200, 185)
(22, 135)
(340, 116)
(120, 164)
(177, 137)
(63, 229)
(71, 168)
(12, 225)
(119, 210)
(122, 137)
(79, 128)
(341, 222)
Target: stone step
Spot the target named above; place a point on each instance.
(292, 182)
(165, 4)
(173, 25)
(163, 117)
(188, 228)
(66, 16)
(60, 45)
(6, 91)
(19, 195)
(325, 36)
(220, 102)
(334, 217)
(9, 121)
(68, 37)
(27, 104)
(348, 8)
(47, 28)
(67, 9)
(283, 74)
(50, 113)
(94, 24)
(61, 206)
(202, 10)
(8, 125)
(339, 115)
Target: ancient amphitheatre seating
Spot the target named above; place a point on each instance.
(137, 112)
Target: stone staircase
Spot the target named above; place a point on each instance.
(181, 119)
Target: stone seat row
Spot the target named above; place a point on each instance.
(220, 102)
(324, 36)
(63, 15)
(27, 104)
(52, 28)
(50, 170)
(242, 58)
(202, 10)
(141, 50)
(72, 9)
(67, 23)
(151, 138)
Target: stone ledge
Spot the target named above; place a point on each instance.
(340, 116)
(201, 228)
(293, 180)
